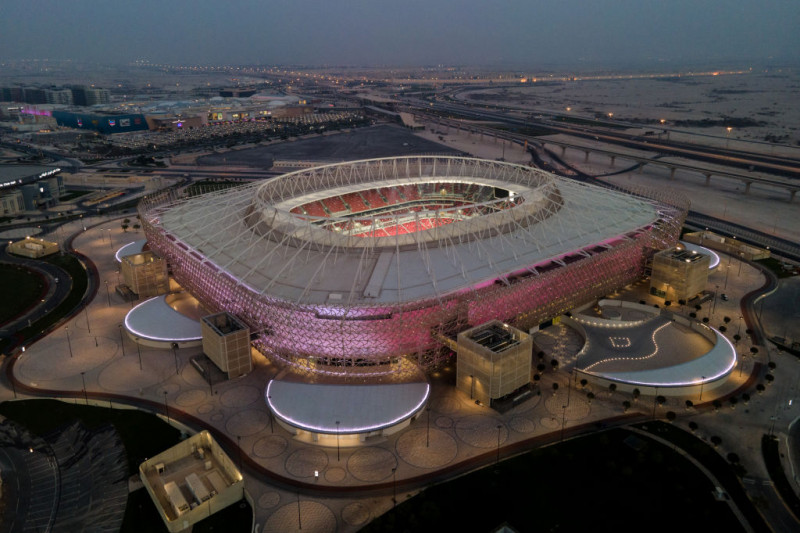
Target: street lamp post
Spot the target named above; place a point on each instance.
(563, 420)
(655, 400)
(108, 295)
(299, 522)
(83, 380)
(121, 341)
(166, 407)
(239, 447)
(86, 311)
(394, 486)
(338, 457)
(703, 382)
(428, 429)
(69, 343)
(139, 351)
(728, 137)
(497, 459)
(175, 353)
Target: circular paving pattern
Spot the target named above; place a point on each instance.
(371, 464)
(216, 417)
(205, 408)
(304, 461)
(125, 375)
(191, 397)
(271, 446)
(446, 404)
(413, 448)
(550, 422)
(268, 500)
(529, 403)
(355, 514)
(576, 408)
(316, 517)
(335, 474)
(56, 363)
(247, 422)
(481, 431)
(444, 422)
(240, 396)
(171, 388)
(520, 424)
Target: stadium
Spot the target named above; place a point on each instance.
(370, 266)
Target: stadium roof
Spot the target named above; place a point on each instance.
(250, 233)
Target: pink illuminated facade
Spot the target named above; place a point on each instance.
(362, 263)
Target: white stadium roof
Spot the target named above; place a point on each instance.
(250, 233)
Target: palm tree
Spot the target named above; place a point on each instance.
(590, 396)
(717, 404)
(733, 401)
(689, 404)
(584, 382)
(760, 388)
(626, 405)
(726, 319)
(555, 387)
(554, 364)
(716, 441)
(636, 394)
(745, 398)
(693, 426)
(612, 388)
(671, 416)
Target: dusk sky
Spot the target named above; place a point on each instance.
(525, 33)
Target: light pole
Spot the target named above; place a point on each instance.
(139, 351)
(728, 137)
(497, 459)
(121, 341)
(394, 486)
(86, 311)
(655, 400)
(239, 447)
(166, 407)
(299, 522)
(563, 420)
(428, 429)
(703, 382)
(69, 343)
(83, 380)
(108, 295)
(271, 416)
(175, 353)
(338, 457)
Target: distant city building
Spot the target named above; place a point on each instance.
(102, 122)
(76, 95)
(29, 187)
(175, 123)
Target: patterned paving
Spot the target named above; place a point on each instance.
(481, 431)
(413, 448)
(371, 464)
(303, 516)
(304, 461)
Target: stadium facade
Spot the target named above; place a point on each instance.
(353, 267)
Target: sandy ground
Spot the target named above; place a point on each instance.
(767, 97)
(478, 145)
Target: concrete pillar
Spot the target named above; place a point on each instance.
(672, 173)
(586, 159)
(613, 157)
(747, 187)
(708, 179)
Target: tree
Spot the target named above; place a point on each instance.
(726, 319)
(136, 227)
(540, 367)
(689, 404)
(753, 350)
(733, 401)
(667, 303)
(705, 320)
(555, 387)
(636, 394)
(769, 378)
(717, 404)
(723, 329)
(693, 314)
(698, 307)
(124, 227)
(612, 388)
(760, 388)
(626, 405)
(681, 302)
(671, 416)
(733, 458)
(737, 337)
(693, 426)
(540, 355)
(554, 364)
(590, 396)
(584, 382)
(771, 365)
(660, 400)
(716, 441)
(745, 398)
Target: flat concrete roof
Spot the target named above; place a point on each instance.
(156, 320)
(316, 407)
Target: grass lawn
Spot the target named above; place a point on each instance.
(602, 482)
(20, 288)
(144, 435)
